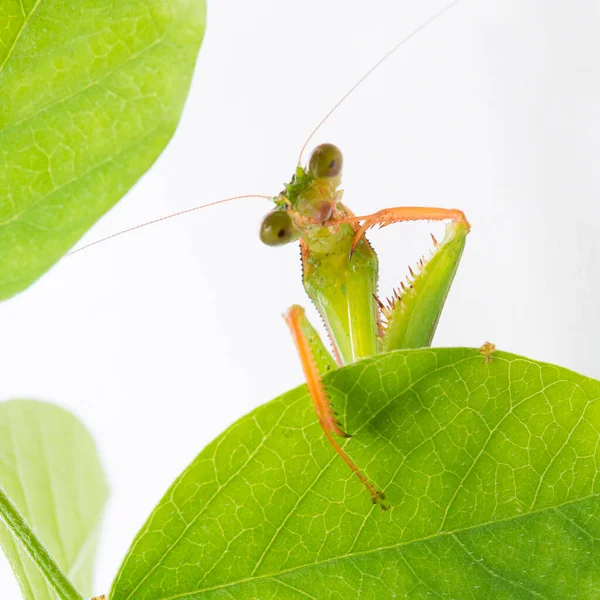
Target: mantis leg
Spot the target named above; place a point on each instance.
(411, 316)
(387, 216)
(315, 362)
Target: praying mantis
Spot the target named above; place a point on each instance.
(340, 272)
(340, 275)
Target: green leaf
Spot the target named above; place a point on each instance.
(49, 468)
(90, 93)
(490, 471)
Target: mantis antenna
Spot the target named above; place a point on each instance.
(401, 43)
(177, 214)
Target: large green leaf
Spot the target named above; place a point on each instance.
(90, 93)
(490, 471)
(50, 470)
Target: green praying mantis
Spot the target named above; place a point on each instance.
(340, 273)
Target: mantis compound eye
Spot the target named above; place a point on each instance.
(278, 228)
(325, 161)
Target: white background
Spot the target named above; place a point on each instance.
(162, 338)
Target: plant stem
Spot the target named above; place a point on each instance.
(54, 575)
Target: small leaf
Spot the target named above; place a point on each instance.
(90, 93)
(490, 470)
(50, 469)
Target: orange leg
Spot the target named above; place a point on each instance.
(299, 326)
(387, 216)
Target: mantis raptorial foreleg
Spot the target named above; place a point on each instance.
(387, 216)
(316, 361)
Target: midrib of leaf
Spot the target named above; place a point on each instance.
(20, 33)
(402, 544)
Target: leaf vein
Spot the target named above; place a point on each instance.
(201, 512)
(26, 22)
(433, 536)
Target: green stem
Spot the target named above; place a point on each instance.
(14, 520)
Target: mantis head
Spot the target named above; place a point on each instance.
(308, 200)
